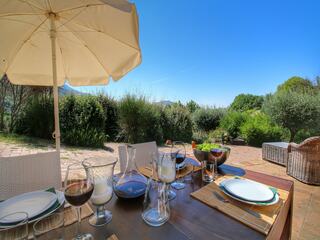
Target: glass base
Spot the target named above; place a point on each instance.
(154, 218)
(178, 185)
(102, 218)
(171, 195)
(84, 236)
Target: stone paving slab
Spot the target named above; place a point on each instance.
(306, 214)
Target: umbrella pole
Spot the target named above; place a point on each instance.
(56, 133)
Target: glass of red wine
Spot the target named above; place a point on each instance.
(178, 151)
(216, 154)
(78, 188)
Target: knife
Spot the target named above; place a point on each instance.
(222, 199)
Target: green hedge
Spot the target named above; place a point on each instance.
(232, 122)
(139, 120)
(176, 123)
(37, 118)
(207, 119)
(82, 121)
(258, 129)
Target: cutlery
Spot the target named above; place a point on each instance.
(222, 199)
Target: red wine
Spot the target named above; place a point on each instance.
(78, 194)
(216, 152)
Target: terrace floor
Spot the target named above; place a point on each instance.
(306, 213)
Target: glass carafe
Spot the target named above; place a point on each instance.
(130, 183)
(156, 209)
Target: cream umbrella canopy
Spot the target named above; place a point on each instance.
(86, 42)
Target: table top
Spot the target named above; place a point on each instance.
(190, 219)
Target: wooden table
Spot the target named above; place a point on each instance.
(190, 219)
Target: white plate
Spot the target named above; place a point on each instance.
(248, 190)
(33, 203)
(274, 201)
(61, 200)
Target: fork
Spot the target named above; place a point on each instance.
(222, 199)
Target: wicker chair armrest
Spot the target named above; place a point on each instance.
(292, 145)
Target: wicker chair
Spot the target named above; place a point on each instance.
(20, 174)
(304, 161)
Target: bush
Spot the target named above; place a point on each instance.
(296, 84)
(82, 121)
(207, 119)
(232, 122)
(37, 118)
(245, 102)
(176, 123)
(139, 120)
(294, 111)
(111, 112)
(258, 129)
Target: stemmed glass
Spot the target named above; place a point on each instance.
(178, 151)
(166, 169)
(102, 170)
(78, 188)
(216, 153)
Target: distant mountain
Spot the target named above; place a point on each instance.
(165, 103)
(67, 90)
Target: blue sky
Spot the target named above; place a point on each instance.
(212, 50)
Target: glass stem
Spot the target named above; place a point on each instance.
(99, 210)
(78, 220)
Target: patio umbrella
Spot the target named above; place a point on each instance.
(86, 42)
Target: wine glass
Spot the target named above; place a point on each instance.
(166, 169)
(102, 170)
(178, 151)
(78, 188)
(216, 154)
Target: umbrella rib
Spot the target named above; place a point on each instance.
(98, 60)
(32, 5)
(19, 14)
(84, 6)
(94, 30)
(24, 41)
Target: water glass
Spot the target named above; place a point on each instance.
(102, 170)
(52, 222)
(208, 171)
(17, 232)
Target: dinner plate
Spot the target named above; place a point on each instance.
(56, 206)
(33, 203)
(272, 202)
(248, 190)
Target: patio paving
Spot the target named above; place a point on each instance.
(306, 214)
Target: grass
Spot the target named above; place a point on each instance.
(28, 141)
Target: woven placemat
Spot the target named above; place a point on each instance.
(237, 210)
(112, 237)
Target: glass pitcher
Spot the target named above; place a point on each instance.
(130, 184)
(156, 209)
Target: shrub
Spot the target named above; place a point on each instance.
(37, 118)
(139, 120)
(232, 122)
(296, 84)
(200, 137)
(207, 119)
(192, 106)
(294, 111)
(258, 129)
(111, 112)
(176, 123)
(82, 121)
(245, 102)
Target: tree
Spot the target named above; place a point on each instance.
(192, 106)
(296, 84)
(245, 102)
(4, 86)
(294, 110)
(207, 119)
